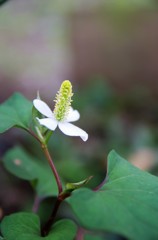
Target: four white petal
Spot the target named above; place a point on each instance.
(65, 126)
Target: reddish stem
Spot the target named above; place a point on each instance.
(80, 234)
(33, 134)
(50, 161)
(45, 230)
(100, 185)
(61, 196)
(37, 201)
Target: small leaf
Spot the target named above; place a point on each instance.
(72, 186)
(26, 226)
(24, 166)
(127, 204)
(16, 111)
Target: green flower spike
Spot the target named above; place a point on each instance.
(63, 101)
(63, 113)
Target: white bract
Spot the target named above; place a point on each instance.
(51, 122)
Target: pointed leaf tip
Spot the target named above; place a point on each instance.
(126, 204)
(16, 111)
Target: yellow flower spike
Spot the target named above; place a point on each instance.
(63, 113)
(63, 101)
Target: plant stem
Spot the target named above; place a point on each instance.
(61, 195)
(80, 234)
(33, 134)
(47, 154)
(37, 201)
(100, 185)
(45, 230)
(50, 161)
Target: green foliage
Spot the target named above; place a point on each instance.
(24, 166)
(73, 186)
(126, 204)
(26, 226)
(15, 112)
(91, 237)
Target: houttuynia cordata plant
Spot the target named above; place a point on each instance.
(124, 204)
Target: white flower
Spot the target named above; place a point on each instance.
(65, 126)
(63, 113)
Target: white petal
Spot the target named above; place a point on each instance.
(73, 115)
(48, 123)
(71, 130)
(42, 107)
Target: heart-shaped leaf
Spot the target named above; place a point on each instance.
(16, 111)
(127, 203)
(26, 226)
(24, 166)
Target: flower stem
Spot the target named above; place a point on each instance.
(50, 161)
(61, 195)
(33, 134)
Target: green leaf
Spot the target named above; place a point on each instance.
(16, 111)
(24, 166)
(127, 204)
(72, 186)
(26, 226)
(91, 237)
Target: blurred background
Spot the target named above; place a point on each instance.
(108, 49)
